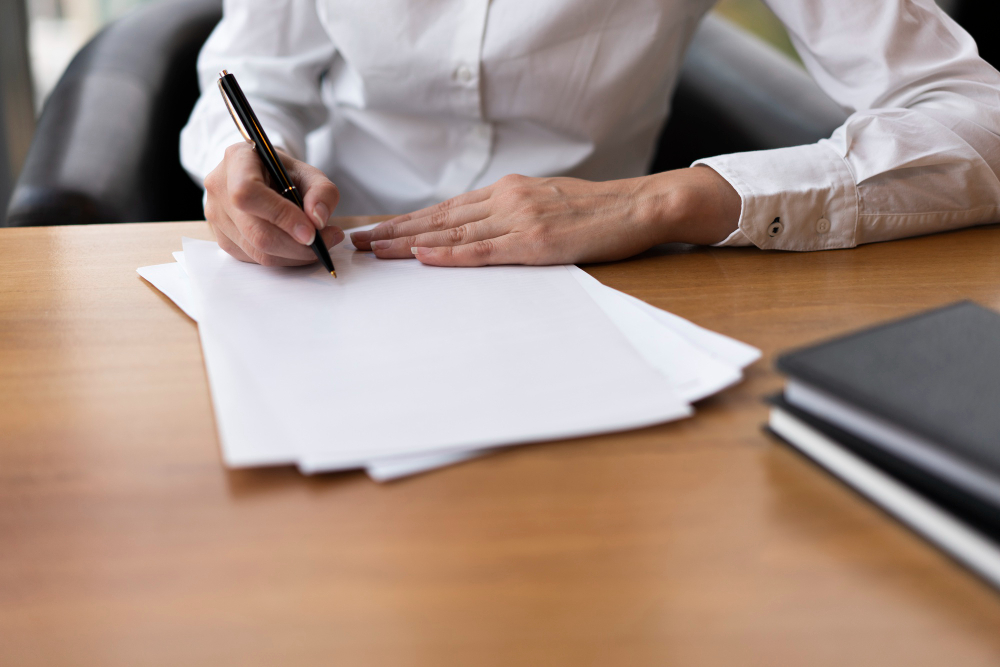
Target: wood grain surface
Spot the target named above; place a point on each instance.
(124, 541)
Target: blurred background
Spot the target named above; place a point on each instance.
(56, 31)
(38, 39)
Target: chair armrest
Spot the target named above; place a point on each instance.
(737, 93)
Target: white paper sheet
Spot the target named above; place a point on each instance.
(172, 280)
(694, 373)
(389, 469)
(721, 347)
(685, 359)
(399, 358)
(699, 362)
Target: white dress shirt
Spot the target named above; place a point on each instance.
(404, 103)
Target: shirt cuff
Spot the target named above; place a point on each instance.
(798, 198)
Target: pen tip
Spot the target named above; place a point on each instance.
(333, 273)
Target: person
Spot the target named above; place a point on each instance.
(519, 131)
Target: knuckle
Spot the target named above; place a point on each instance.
(439, 220)
(383, 229)
(233, 151)
(254, 254)
(457, 235)
(258, 237)
(512, 180)
(268, 244)
(263, 258)
(211, 182)
(286, 217)
(241, 193)
(484, 249)
(268, 260)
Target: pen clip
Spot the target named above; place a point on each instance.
(232, 112)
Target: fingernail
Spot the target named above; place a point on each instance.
(361, 236)
(381, 245)
(321, 213)
(303, 234)
(414, 250)
(337, 239)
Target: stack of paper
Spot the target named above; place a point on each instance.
(399, 368)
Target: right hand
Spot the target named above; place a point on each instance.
(253, 223)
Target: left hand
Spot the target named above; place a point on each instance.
(523, 220)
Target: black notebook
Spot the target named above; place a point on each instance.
(925, 389)
(970, 509)
(962, 526)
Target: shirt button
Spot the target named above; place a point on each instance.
(463, 74)
(822, 226)
(775, 227)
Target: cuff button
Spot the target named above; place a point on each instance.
(775, 227)
(822, 226)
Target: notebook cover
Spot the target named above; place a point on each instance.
(936, 374)
(972, 509)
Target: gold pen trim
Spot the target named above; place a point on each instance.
(232, 111)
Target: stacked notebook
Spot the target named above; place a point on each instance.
(908, 414)
(399, 368)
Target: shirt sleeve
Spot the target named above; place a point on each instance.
(279, 52)
(920, 152)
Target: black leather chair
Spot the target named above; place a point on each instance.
(106, 147)
(737, 93)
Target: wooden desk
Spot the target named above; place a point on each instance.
(124, 541)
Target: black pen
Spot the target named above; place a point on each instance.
(248, 125)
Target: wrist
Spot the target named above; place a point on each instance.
(694, 205)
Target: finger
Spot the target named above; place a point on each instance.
(331, 236)
(454, 230)
(487, 252)
(233, 249)
(479, 230)
(233, 241)
(267, 244)
(225, 231)
(319, 195)
(384, 229)
(250, 194)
